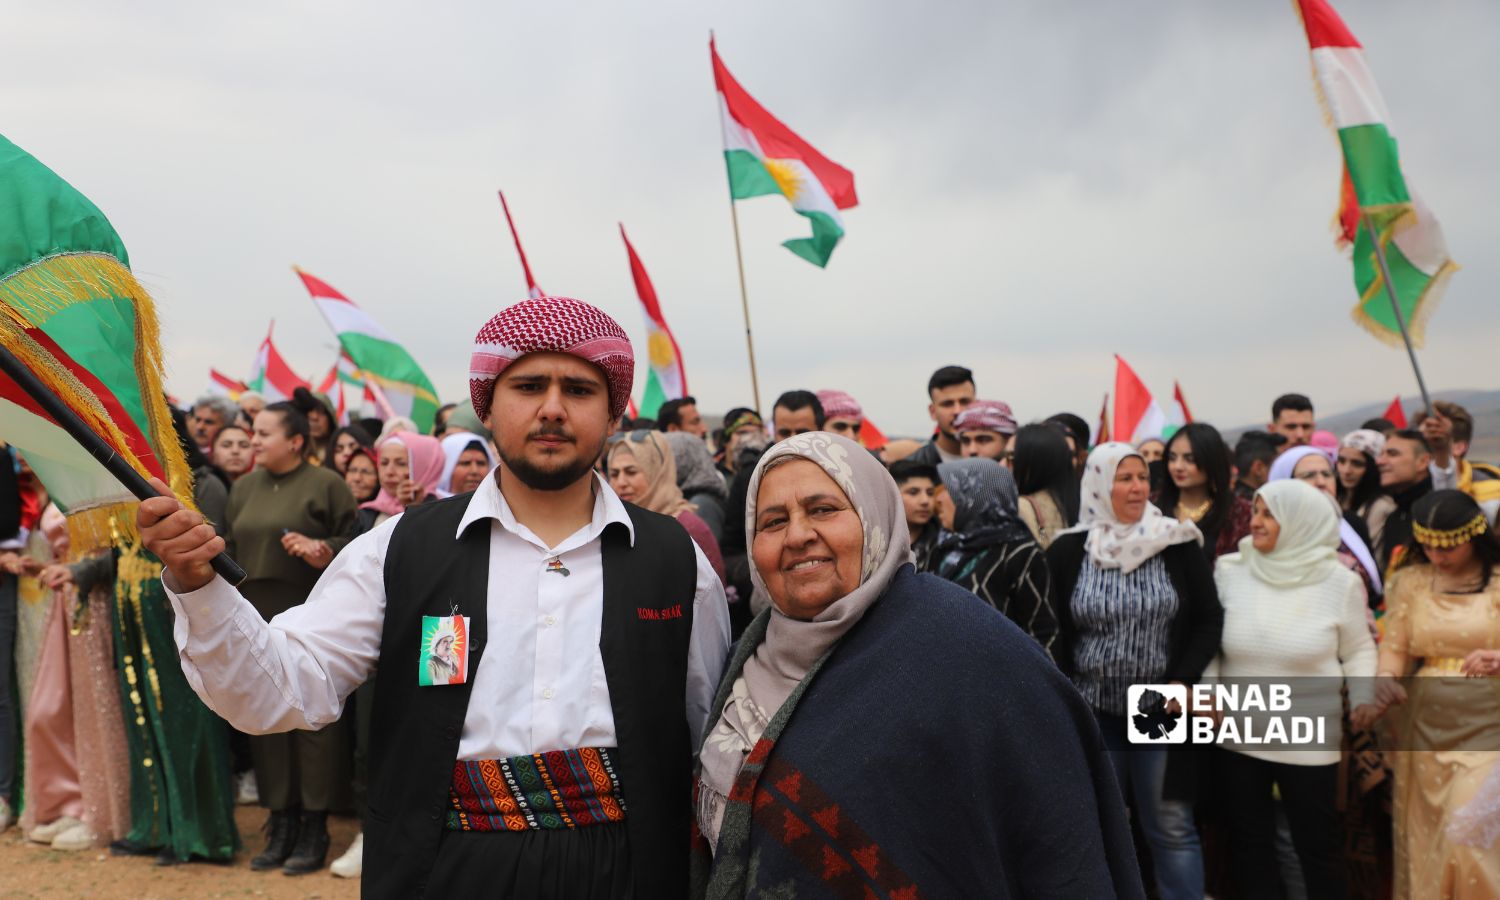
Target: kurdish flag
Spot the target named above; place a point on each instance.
(1137, 414)
(271, 377)
(224, 386)
(1373, 188)
(766, 157)
(380, 359)
(74, 315)
(665, 379)
(345, 376)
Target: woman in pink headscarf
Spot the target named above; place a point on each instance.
(409, 467)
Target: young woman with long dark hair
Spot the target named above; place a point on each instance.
(1199, 489)
(1043, 466)
(1359, 490)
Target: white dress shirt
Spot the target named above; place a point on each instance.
(539, 686)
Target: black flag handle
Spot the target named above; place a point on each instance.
(123, 472)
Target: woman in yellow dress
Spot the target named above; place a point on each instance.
(1443, 626)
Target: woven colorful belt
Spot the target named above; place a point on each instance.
(554, 790)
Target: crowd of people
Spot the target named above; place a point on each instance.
(959, 617)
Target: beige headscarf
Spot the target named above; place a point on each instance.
(792, 646)
(654, 457)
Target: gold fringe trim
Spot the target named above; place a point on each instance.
(1427, 304)
(1452, 537)
(32, 295)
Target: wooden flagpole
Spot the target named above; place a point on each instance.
(739, 258)
(1390, 291)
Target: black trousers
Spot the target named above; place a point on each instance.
(584, 863)
(1308, 794)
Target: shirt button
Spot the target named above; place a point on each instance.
(547, 694)
(550, 621)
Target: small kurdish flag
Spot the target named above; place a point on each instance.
(766, 157)
(271, 376)
(1373, 187)
(380, 359)
(665, 379)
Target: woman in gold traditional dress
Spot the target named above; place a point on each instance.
(1443, 625)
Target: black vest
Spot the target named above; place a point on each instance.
(414, 731)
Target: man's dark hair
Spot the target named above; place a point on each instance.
(948, 376)
(1293, 402)
(1463, 422)
(1256, 446)
(439, 418)
(792, 401)
(1074, 425)
(1413, 435)
(294, 421)
(904, 470)
(642, 424)
(670, 412)
(1380, 424)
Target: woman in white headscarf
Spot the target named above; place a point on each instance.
(865, 682)
(1312, 466)
(466, 463)
(1136, 604)
(1292, 613)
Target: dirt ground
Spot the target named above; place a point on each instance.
(32, 870)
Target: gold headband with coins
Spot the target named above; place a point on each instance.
(1453, 537)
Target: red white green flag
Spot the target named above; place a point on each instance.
(381, 360)
(343, 384)
(1178, 413)
(1137, 414)
(766, 157)
(271, 377)
(1373, 188)
(223, 385)
(665, 378)
(72, 313)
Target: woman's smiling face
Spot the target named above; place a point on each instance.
(808, 542)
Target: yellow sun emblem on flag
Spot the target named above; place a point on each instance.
(786, 177)
(659, 348)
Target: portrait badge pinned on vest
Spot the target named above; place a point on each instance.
(445, 651)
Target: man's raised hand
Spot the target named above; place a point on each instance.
(182, 539)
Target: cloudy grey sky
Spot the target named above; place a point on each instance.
(1041, 184)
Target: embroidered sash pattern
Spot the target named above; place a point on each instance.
(558, 789)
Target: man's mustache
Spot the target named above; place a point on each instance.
(552, 431)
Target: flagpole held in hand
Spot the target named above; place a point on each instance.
(117, 466)
(1390, 291)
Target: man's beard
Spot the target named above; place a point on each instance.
(548, 479)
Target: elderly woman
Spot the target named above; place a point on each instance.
(1292, 611)
(1312, 466)
(835, 705)
(1136, 604)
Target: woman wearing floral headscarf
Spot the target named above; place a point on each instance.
(866, 682)
(990, 551)
(1136, 603)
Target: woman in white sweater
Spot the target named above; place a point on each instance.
(1291, 612)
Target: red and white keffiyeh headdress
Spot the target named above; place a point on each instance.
(555, 325)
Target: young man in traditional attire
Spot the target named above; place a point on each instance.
(562, 765)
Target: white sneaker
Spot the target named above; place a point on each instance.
(245, 791)
(7, 819)
(45, 834)
(79, 837)
(351, 864)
